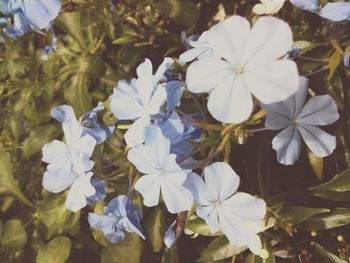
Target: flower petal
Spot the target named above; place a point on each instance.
(56, 181)
(135, 134)
(149, 186)
(124, 106)
(221, 180)
(229, 38)
(205, 74)
(287, 144)
(319, 110)
(336, 12)
(272, 81)
(210, 215)
(320, 142)
(231, 101)
(199, 190)
(270, 38)
(159, 75)
(57, 154)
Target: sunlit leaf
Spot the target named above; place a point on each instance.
(56, 251)
(14, 236)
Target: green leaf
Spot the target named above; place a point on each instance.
(198, 225)
(340, 183)
(127, 251)
(334, 62)
(266, 245)
(220, 249)
(69, 22)
(53, 214)
(77, 93)
(184, 12)
(336, 218)
(155, 228)
(56, 251)
(328, 256)
(8, 184)
(38, 137)
(92, 65)
(297, 214)
(316, 164)
(14, 236)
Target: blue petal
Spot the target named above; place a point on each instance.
(100, 186)
(346, 60)
(170, 236)
(174, 91)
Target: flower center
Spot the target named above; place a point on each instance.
(239, 69)
(218, 203)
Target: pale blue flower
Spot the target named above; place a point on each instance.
(88, 121)
(297, 118)
(346, 60)
(100, 187)
(29, 14)
(48, 49)
(140, 98)
(170, 235)
(201, 49)
(121, 215)
(174, 89)
(237, 215)
(162, 175)
(186, 40)
(336, 12)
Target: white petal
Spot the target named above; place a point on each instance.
(270, 39)
(85, 144)
(319, 110)
(144, 83)
(157, 100)
(259, 9)
(231, 101)
(157, 145)
(125, 107)
(140, 157)
(320, 142)
(229, 38)
(56, 181)
(149, 186)
(176, 197)
(173, 128)
(135, 134)
(246, 206)
(210, 215)
(254, 244)
(56, 153)
(287, 144)
(80, 189)
(336, 11)
(192, 54)
(205, 74)
(310, 5)
(272, 81)
(221, 180)
(199, 189)
(159, 75)
(72, 132)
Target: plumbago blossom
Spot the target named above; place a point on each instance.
(336, 12)
(29, 14)
(121, 215)
(140, 99)
(69, 164)
(238, 215)
(268, 7)
(297, 118)
(162, 175)
(249, 64)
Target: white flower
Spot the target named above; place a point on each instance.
(309, 5)
(56, 181)
(268, 7)
(140, 99)
(237, 215)
(297, 118)
(61, 155)
(162, 173)
(250, 64)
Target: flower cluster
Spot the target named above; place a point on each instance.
(240, 68)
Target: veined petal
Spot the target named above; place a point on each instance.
(205, 74)
(140, 157)
(80, 189)
(173, 128)
(320, 142)
(55, 152)
(221, 180)
(319, 110)
(144, 83)
(56, 181)
(199, 190)
(287, 144)
(176, 197)
(159, 75)
(336, 12)
(229, 38)
(231, 101)
(85, 144)
(135, 134)
(149, 186)
(157, 100)
(271, 81)
(210, 215)
(245, 206)
(309, 5)
(192, 54)
(270, 38)
(125, 107)
(100, 222)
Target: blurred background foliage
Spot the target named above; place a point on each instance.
(100, 42)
